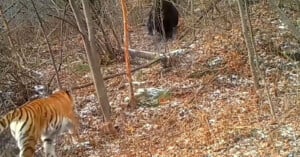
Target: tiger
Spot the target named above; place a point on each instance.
(41, 120)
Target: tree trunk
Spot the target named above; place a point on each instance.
(250, 46)
(126, 51)
(88, 35)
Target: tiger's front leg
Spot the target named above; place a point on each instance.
(27, 148)
(49, 147)
(48, 139)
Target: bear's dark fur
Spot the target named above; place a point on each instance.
(165, 12)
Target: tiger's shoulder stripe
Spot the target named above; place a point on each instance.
(8, 118)
(24, 123)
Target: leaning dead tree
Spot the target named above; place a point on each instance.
(88, 35)
(246, 26)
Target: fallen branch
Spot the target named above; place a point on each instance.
(143, 54)
(138, 53)
(119, 74)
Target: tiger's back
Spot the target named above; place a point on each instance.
(41, 119)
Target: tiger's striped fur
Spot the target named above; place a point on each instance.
(43, 119)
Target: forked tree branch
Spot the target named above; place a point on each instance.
(48, 44)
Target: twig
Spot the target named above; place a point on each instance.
(61, 44)
(66, 21)
(9, 7)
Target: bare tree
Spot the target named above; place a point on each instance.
(250, 45)
(246, 25)
(88, 35)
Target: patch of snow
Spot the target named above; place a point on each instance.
(192, 46)
(216, 61)
(288, 132)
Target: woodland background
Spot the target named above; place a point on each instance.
(207, 103)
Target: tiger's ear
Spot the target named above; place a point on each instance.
(68, 93)
(61, 90)
(55, 90)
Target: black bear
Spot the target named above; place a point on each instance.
(166, 12)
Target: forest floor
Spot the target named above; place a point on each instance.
(212, 110)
